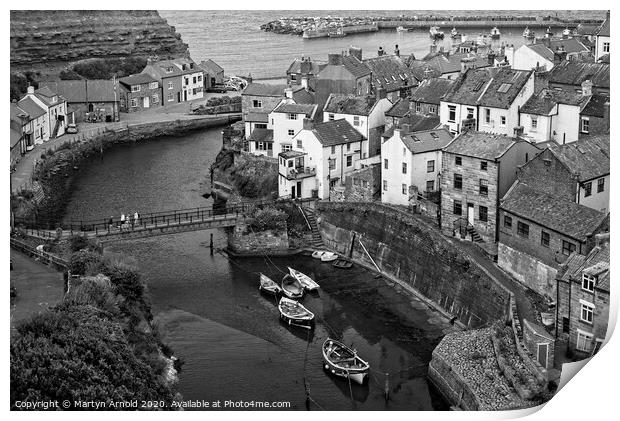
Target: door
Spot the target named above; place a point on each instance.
(299, 189)
(293, 191)
(184, 95)
(178, 96)
(542, 354)
(146, 102)
(470, 213)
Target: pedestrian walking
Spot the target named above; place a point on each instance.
(111, 222)
(136, 218)
(122, 220)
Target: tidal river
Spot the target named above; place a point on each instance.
(210, 311)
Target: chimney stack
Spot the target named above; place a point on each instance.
(405, 128)
(356, 52)
(381, 93)
(304, 82)
(491, 57)
(335, 59)
(586, 88)
(433, 48)
(601, 239)
(396, 51)
(30, 89)
(288, 92)
(559, 55)
(308, 124)
(380, 52)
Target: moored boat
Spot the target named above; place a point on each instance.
(291, 287)
(454, 33)
(342, 264)
(268, 285)
(342, 361)
(317, 254)
(495, 33)
(401, 29)
(293, 312)
(328, 256)
(435, 33)
(548, 33)
(566, 32)
(528, 33)
(303, 279)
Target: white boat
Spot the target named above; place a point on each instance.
(495, 33)
(454, 33)
(303, 279)
(291, 287)
(528, 33)
(317, 254)
(435, 33)
(268, 285)
(342, 361)
(401, 29)
(548, 33)
(328, 256)
(567, 32)
(294, 313)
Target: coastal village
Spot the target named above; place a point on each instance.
(503, 155)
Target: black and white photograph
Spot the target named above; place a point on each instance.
(305, 208)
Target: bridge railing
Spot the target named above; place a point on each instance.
(42, 255)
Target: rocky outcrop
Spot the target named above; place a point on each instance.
(71, 35)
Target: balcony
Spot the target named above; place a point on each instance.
(297, 173)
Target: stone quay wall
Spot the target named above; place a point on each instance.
(241, 241)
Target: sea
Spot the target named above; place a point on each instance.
(234, 40)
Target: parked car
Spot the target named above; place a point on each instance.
(71, 128)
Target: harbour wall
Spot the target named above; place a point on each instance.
(410, 250)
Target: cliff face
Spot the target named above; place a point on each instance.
(53, 36)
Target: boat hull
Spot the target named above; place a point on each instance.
(346, 363)
(358, 377)
(329, 257)
(292, 288)
(268, 286)
(303, 279)
(342, 264)
(288, 309)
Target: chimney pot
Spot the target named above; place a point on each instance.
(586, 88)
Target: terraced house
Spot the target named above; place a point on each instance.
(570, 76)
(54, 105)
(181, 79)
(139, 92)
(257, 101)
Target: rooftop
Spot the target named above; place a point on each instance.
(595, 106)
(355, 66)
(603, 31)
(30, 107)
(570, 45)
(304, 65)
(427, 140)
(261, 135)
(431, 90)
(98, 90)
(292, 108)
(563, 216)
(596, 263)
(257, 117)
(264, 89)
(416, 122)
(481, 145)
(390, 72)
(399, 109)
(547, 99)
(174, 67)
(137, 79)
(588, 158)
(350, 104)
(210, 67)
(573, 72)
(291, 154)
(303, 96)
(337, 132)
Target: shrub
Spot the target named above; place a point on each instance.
(69, 75)
(84, 262)
(106, 69)
(268, 219)
(78, 242)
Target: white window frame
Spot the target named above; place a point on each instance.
(502, 120)
(134, 102)
(588, 282)
(385, 185)
(533, 123)
(153, 85)
(286, 147)
(487, 116)
(404, 169)
(451, 109)
(135, 88)
(291, 116)
(356, 121)
(170, 97)
(430, 163)
(300, 144)
(584, 125)
(584, 341)
(155, 98)
(291, 132)
(257, 103)
(170, 85)
(589, 309)
(432, 109)
(606, 47)
(418, 107)
(404, 189)
(331, 117)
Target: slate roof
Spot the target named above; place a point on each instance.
(595, 107)
(604, 58)
(426, 141)
(543, 103)
(137, 79)
(588, 157)
(304, 67)
(482, 145)
(336, 132)
(31, 108)
(45, 94)
(14, 138)
(470, 86)
(430, 91)
(210, 67)
(350, 104)
(596, 263)
(416, 122)
(603, 31)
(303, 96)
(291, 154)
(571, 45)
(493, 95)
(390, 72)
(575, 72)
(422, 70)
(261, 135)
(160, 67)
(356, 67)
(257, 117)
(16, 111)
(292, 108)
(98, 90)
(264, 89)
(399, 109)
(563, 216)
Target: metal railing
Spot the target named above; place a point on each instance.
(41, 255)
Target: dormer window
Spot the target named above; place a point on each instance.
(54, 98)
(169, 69)
(135, 88)
(588, 282)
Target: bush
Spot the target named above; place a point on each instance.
(106, 69)
(268, 219)
(85, 262)
(69, 75)
(78, 242)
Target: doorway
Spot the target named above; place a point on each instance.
(470, 213)
(146, 102)
(299, 189)
(184, 95)
(293, 191)
(178, 96)
(543, 349)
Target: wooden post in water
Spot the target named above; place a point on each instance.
(387, 387)
(211, 244)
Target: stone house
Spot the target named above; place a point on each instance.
(364, 184)
(477, 170)
(365, 113)
(547, 53)
(323, 155)
(303, 72)
(181, 79)
(139, 92)
(570, 75)
(391, 74)
(426, 97)
(583, 299)
(602, 39)
(403, 112)
(94, 100)
(213, 73)
(487, 100)
(411, 164)
(257, 101)
(55, 106)
(594, 116)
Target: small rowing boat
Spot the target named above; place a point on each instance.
(304, 279)
(317, 254)
(342, 361)
(328, 256)
(291, 287)
(293, 312)
(342, 264)
(268, 285)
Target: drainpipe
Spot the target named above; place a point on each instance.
(497, 203)
(557, 306)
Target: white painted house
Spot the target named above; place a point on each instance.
(546, 53)
(602, 39)
(55, 107)
(487, 100)
(411, 163)
(365, 113)
(322, 155)
(39, 127)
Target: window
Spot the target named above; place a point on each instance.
(300, 144)
(534, 123)
(544, 238)
(333, 150)
(584, 341)
(457, 209)
(291, 116)
(458, 160)
(483, 165)
(348, 147)
(356, 121)
(365, 184)
(451, 113)
(186, 79)
(432, 109)
(470, 113)
(523, 229)
(257, 103)
(588, 282)
(135, 88)
(349, 160)
(458, 181)
(487, 115)
(587, 188)
(332, 164)
(291, 132)
(587, 311)
(430, 185)
(605, 47)
(331, 117)
(601, 185)
(260, 146)
(418, 107)
(169, 69)
(286, 147)
(385, 164)
(484, 188)
(170, 96)
(585, 125)
(404, 186)
(199, 78)
(134, 102)
(502, 120)
(483, 213)
(508, 222)
(430, 166)
(385, 185)
(170, 86)
(568, 248)
(260, 125)
(155, 98)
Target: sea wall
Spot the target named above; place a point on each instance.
(242, 241)
(412, 251)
